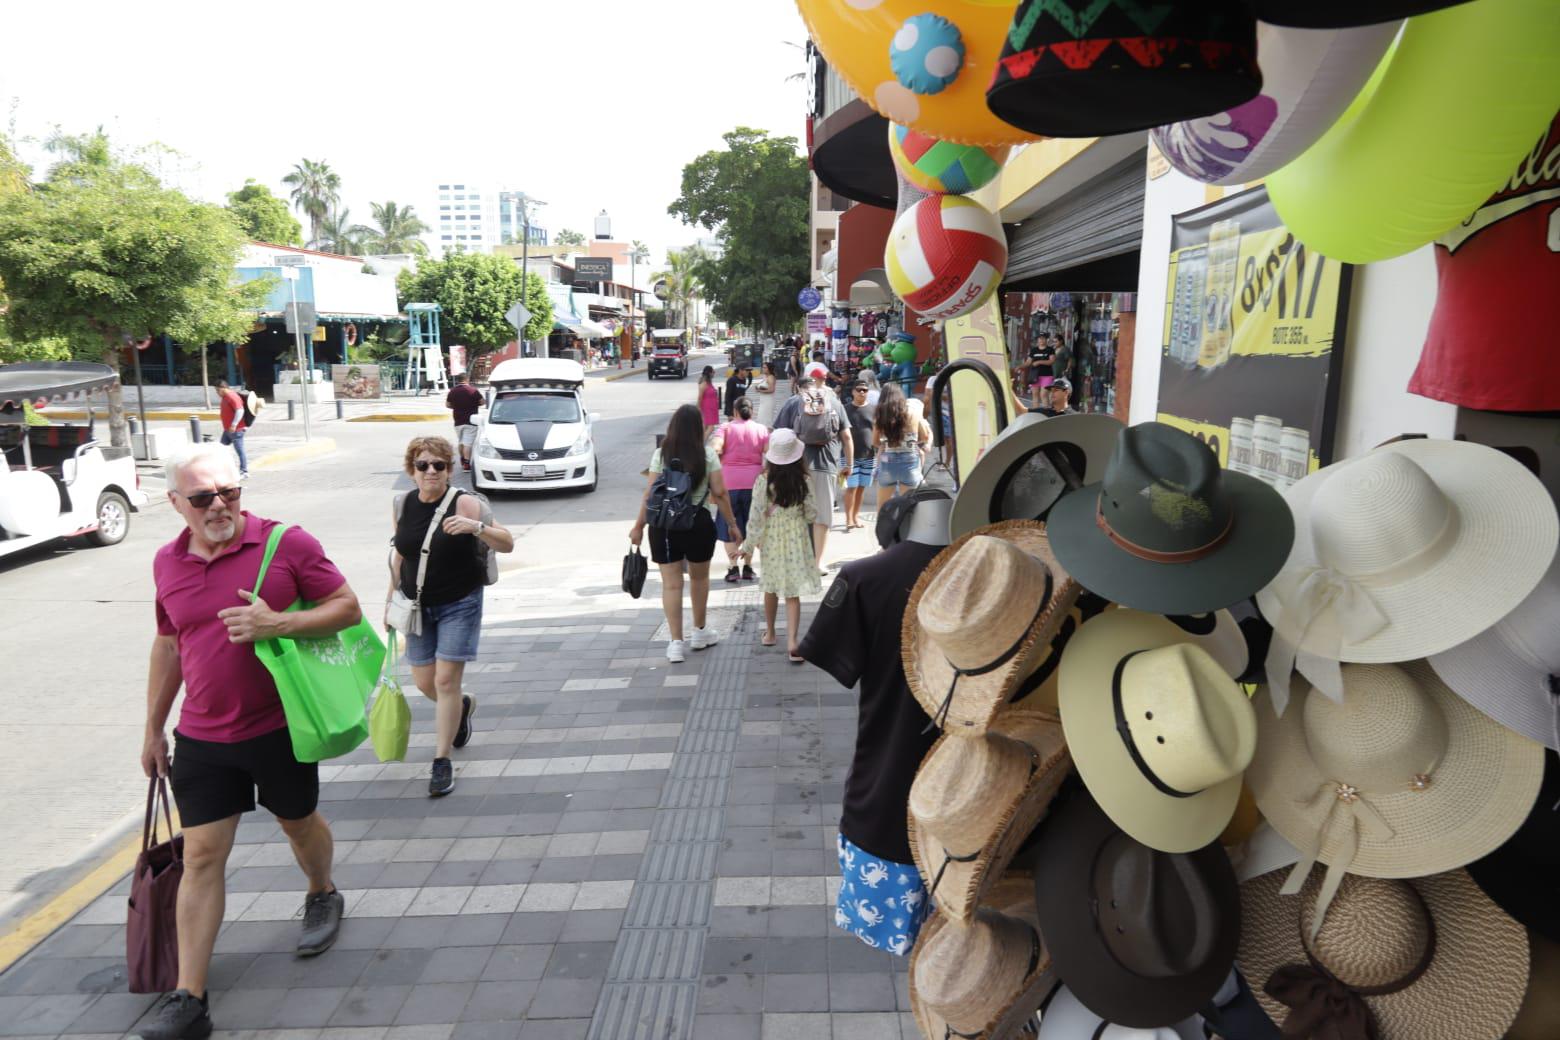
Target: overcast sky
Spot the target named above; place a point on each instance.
(585, 105)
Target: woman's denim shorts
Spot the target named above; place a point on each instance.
(449, 631)
(901, 468)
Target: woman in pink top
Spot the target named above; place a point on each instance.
(740, 444)
(709, 398)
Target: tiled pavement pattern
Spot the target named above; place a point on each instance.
(634, 849)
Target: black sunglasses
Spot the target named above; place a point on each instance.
(203, 499)
(439, 465)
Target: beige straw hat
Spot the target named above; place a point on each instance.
(981, 619)
(1160, 732)
(1427, 959)
(1402, 553)
(1402, 779)
(987, 977)
(974, 802)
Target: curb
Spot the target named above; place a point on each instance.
(402, 417)
(622, 375)
(313, 449)
(152, 414)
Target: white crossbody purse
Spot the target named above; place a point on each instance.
(405, 614)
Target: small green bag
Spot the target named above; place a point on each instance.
(390, 719)
(324, 683)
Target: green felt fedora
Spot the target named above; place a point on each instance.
(1029, 468)
(1167, 531)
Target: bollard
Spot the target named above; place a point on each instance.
(339, 413)
(290, 411)
(194, 429)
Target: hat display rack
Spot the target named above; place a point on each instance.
(1338, 817)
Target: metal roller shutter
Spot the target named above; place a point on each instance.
(1100, 220)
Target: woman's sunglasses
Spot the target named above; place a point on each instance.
(438, 465)
(203, 499)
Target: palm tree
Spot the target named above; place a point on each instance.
(398, 230)
(338, 234)
(682, 284)
(316, 190)
(567, 237)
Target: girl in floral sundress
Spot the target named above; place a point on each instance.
(780, 527)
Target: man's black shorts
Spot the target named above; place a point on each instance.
(214, 781)
(695, 546)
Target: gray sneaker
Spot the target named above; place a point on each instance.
(321, 922)
(180, 1016)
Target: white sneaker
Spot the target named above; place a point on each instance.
(703, 638)
(674, 652)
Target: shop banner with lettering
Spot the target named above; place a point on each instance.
(1253, 339)
(976, 335)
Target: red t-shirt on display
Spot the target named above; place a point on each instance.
(229, 695)
(1492, 342)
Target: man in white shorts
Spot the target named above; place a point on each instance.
(464, 400)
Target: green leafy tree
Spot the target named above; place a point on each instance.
(397, 231)
(262, 216)
(316, 189)
(474, 291)
(754, 194)
(102, 253)
(569, 237)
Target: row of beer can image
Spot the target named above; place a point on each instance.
(1263, 447)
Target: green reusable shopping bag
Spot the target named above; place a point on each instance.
(324, 683)
(390, 719)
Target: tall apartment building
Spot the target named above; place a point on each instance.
(469, 219)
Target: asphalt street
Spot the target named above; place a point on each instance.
(76, 622)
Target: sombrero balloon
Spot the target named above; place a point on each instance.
(923, 65)
(943, 167)
(1309, 76)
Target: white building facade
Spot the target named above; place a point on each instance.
(471, 218)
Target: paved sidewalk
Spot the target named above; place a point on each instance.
(633, 849)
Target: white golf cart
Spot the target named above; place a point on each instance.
(57, 481)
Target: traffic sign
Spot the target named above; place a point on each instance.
(301, 317)
(809, 298)
(518, 316)
(662, 291)
(288, 260)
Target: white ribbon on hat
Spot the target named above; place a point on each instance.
(1319, 605)
(1363, 817)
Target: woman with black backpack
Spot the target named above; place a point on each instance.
(676, 509)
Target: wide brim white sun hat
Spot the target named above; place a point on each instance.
(1509, 671)
(1065, 1018)
(1428, 589)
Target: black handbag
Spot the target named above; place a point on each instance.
(635, 568)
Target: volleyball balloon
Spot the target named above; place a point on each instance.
(942, 167)
(945, 256)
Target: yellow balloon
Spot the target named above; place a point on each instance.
(861, 39)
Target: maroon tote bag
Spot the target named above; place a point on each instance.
(151, 934)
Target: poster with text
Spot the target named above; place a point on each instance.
(356, 382)
(1253, 339)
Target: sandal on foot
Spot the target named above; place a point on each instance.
(768, 640)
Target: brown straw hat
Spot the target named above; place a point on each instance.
(985, 978)
(980, 619)
(975, 800)
(1427, 959)
(1402, 779)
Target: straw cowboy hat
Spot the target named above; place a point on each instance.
(1143, 938)
(976, 799)
(1401, 779)
(1030, 465)
(1511, 671)
(1065, 1018)
(1169, 532)
(980, 620)
(1425, 959)
(1401, 553)
(1160, 732)
(1523, 875)
(985, 978)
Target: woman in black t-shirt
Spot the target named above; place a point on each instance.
(450, 596)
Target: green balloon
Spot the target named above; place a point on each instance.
(1466, 93)
(903, 352)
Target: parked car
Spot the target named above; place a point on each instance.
(535, 434)
(57, 481)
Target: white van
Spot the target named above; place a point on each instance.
(535, 434)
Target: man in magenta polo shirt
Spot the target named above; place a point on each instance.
(231, 737)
